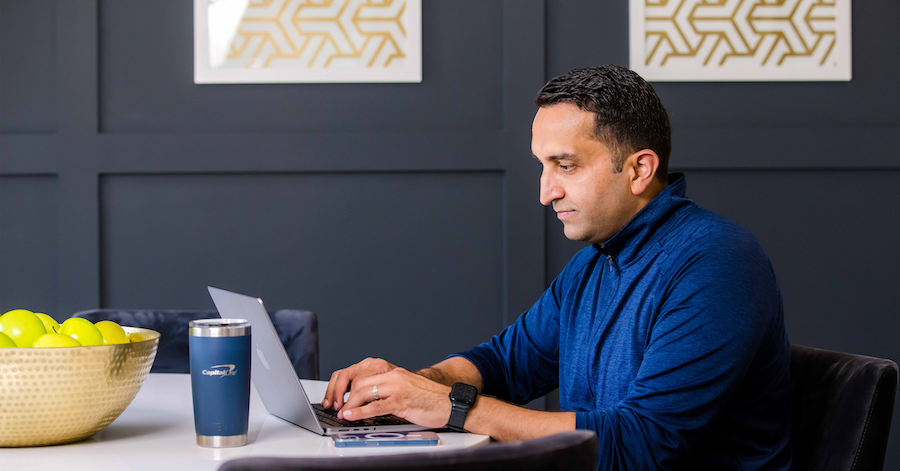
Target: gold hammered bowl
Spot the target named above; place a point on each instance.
(50, 396)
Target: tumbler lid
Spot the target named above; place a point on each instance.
(219, 327)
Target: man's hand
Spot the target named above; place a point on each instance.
(341, 379)
(402, 393)
(424, 399)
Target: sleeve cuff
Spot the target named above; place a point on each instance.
(485, 362)
(584, 421)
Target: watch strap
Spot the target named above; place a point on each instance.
(458, 416)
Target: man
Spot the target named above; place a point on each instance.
(665, 336)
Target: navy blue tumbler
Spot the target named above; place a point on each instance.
(220, 380)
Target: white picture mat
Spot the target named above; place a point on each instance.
(843, 72)
(410, 73)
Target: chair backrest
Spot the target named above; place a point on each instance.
(575, 450)
(842, 408)
(298, 331)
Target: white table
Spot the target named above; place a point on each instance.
(157, 432)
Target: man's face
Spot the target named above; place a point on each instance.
(578, 178)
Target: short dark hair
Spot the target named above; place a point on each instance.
(629, 115)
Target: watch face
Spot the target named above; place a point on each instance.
(464, 393)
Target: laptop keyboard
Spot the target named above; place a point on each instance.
(329, 417)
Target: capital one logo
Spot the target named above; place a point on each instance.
(220, 370)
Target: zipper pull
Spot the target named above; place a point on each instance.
(609, 259)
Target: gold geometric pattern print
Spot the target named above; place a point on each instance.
(320, 34)
(733, 40)
(719, 32)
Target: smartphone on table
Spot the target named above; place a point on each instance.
(344, 440)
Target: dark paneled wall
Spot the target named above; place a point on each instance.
(397, 212)
(410, 210)
(28, 235)
(376, 243)
(463, 90)
(27, 67)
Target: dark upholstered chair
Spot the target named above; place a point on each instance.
(298, 331)
(575, 450)
(842, 408)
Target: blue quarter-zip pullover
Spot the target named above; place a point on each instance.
(668, 341)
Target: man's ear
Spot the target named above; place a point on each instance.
(642, 166)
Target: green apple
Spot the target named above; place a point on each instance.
(5, 341)
(112, 333)
(55, 340)
(81, 330)
(49, 323)
(22, 326)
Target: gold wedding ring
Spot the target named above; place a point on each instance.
(375, 392)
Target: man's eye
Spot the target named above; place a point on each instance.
(567, 168)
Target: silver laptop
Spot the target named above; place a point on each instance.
(276, 381)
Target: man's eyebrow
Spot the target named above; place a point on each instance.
(557, 157)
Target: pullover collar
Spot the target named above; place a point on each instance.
(639, 234)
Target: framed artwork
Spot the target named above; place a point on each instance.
(307, 41)
(740, 40)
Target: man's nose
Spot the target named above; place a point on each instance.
(550, 189)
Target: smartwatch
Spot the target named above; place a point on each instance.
(462, 397)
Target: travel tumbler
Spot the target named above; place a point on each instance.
(220, 380)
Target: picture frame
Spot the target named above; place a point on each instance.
(307, 41)
(741, 40)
